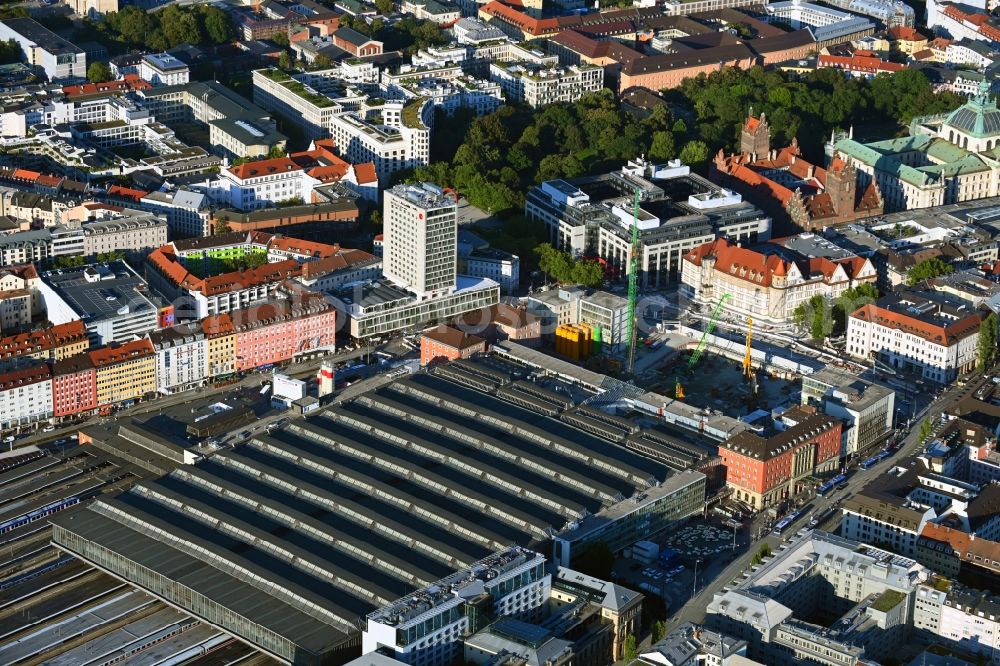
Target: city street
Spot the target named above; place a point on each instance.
(694, 610)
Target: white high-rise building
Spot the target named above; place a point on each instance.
(421, 239)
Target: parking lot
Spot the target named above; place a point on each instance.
(702, 545)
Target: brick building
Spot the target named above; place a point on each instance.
(310, 219)
(766, 470)
(797, 193)
(444, 343)
(667, 71)
(503, 322)
(74, 386)
(355, 43)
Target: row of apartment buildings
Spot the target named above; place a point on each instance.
(55, 374)
(198, 274)
(131, 231)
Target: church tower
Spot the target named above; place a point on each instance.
(755, 137)
(842, 185)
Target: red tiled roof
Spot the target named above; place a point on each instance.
(871, 198)
(365, 173)
(340, 261)
(130, 82)
(24, 174)
(594, 48)
(756, 181)
(48, 181)
(125, 193)
(217, 325)
(905, 34)
(769, 265)
(502, 314)
(954, 12)
(112, 354)
(24, 376)
(575, 42)
(281, 270)
(990, 31)
(166, 262)
(264, 168)
(303, 247)
(23, 271)
(37, 341)
(859, 63)
(825, 267)
(331, 173)
(966, 547)
(941, 335)
(527, 24)
(744, 263)
(452, 337)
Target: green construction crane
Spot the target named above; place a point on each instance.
(633, 274)
(708, 331)
(693, 361)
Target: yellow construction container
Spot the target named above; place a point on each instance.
(587, 342)
(570, 340)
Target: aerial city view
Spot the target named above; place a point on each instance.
(499, 332)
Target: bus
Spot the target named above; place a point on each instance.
(875, 459)
(786, 522)
(831, 484)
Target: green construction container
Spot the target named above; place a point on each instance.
(597, 339)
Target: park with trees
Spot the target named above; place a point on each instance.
(495, 159)
(134, 28)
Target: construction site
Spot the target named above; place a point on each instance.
(719, 383)
(720, 368)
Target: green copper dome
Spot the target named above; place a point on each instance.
(979, 117)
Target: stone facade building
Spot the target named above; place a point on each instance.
(797, 193)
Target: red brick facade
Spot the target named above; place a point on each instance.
(74, 386)
(444, 343)
(766, 471)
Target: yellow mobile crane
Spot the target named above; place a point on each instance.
(747, 361)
